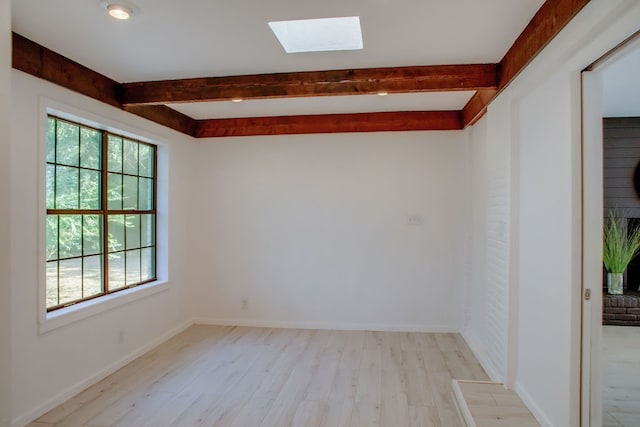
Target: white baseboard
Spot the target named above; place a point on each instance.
(461, 404)
(532, 405)
(326, 325)
(35, 413)
(478, 350)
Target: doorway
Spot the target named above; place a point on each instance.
(611, 151)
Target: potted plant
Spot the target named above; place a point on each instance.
(620, 244)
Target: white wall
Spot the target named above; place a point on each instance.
(475, 295)
(487, 284)
(53, 366)
(5, 249)
(539, 114)
(547, 212)
(312, 230)
(542, 248)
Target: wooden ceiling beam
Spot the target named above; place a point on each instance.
(165, 116)
(146, 99)
(314, 83)
(476, 107)
(548, 21)
(32, 58)
(37, 60)
(330, 123)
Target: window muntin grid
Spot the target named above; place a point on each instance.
(101, 199)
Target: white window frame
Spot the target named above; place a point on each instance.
(48, 321)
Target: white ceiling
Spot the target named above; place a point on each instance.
(327, 105)
(621, 86)
(169, 39)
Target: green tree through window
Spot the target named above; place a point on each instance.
(101, 213)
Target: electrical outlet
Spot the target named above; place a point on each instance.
(120, 336)
(244, 303)
(414, 219)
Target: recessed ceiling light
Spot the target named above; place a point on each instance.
(383, 93)
(318, 35)
(119, 10)
(237, 99)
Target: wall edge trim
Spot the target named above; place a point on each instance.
(288, 324)
(532, 405)
(478, 350)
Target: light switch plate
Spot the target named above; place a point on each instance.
(414, 219)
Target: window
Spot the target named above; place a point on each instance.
(101, 213)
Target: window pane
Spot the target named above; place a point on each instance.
(75, 244)
(52, 284)
(146, 194)
(115, 154)
(116, 271)
(90, 148)
(148, 230)
(68, 144)
(146, 160)
(133, 232)
(70, 280)
(114, 189)
(92, 234)
(92, 274)
(130, 157)
(89, 189)
(130, 200)
(66, 187)
(51, 140)
(70, 236)
(51, 183)
(116, 233)
(52, 237)
(133, 267)
(148, 270)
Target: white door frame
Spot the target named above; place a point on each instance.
(592, 221)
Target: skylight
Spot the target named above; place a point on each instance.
(318, 35)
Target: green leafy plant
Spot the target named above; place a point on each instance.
(619, 243)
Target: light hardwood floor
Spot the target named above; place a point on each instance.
(621, 376)
(246, 377)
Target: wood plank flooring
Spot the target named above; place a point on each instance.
(488, 404)
(247, 377)
(621, 376)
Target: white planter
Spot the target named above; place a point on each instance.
(614, 283)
